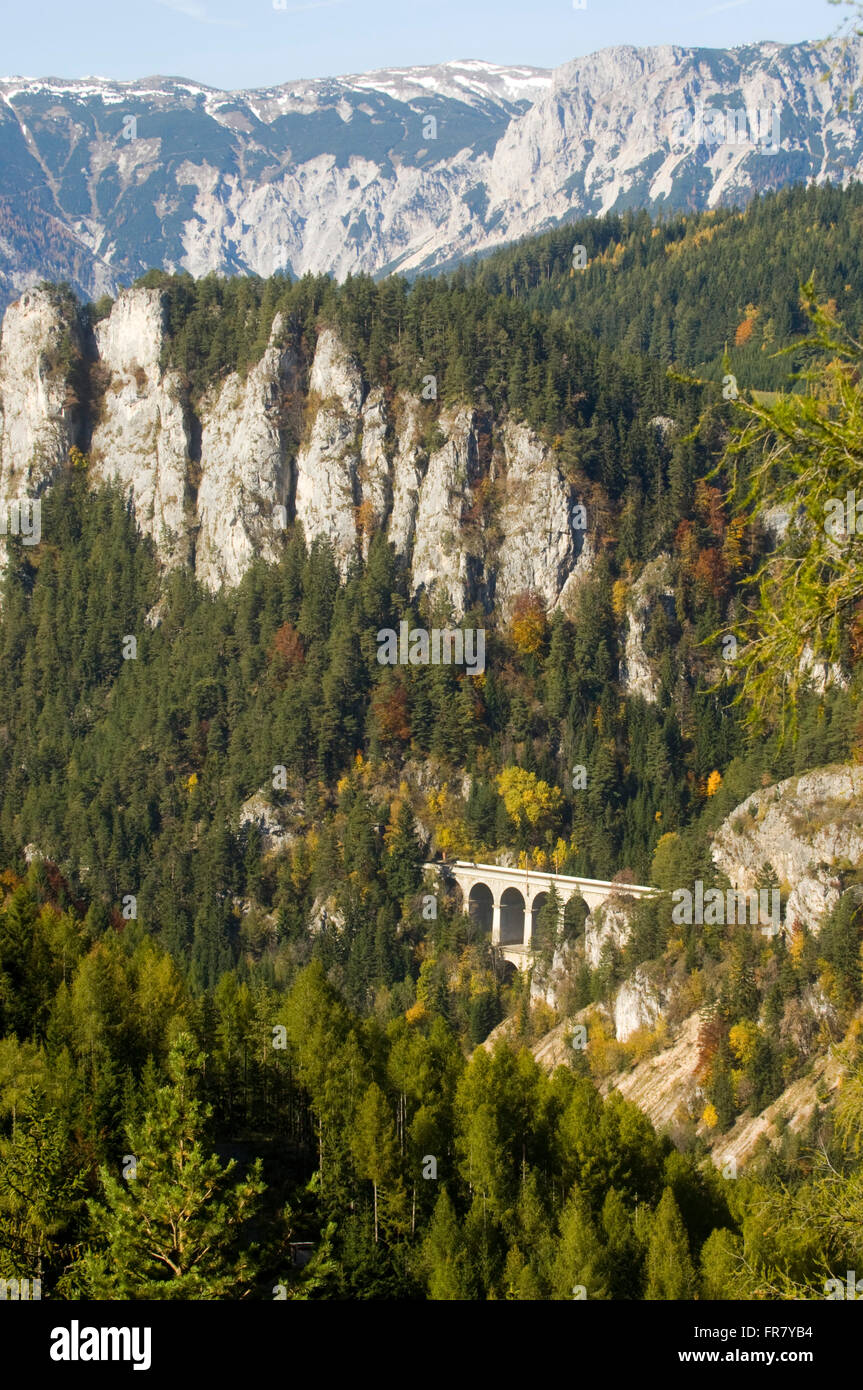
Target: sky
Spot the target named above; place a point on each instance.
(236, 44)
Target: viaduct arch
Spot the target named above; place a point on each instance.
(507, 901)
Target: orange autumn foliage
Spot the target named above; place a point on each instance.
(744, 333)
(711, 575)
(392, 716)
(287, 650)
(528, 623)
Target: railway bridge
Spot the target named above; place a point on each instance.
(508, 901)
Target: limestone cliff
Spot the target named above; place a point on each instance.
(39, 415)
(245, 470)
(808, 829)
(638, 675)
(478, 509)
(544, 549)
(328, 487)
(142, 437)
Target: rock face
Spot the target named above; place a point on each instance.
(546, 986)
(653, 587)
(143, 434)
(409, 464)
(793, 1109)
(406, 168)
(376, 482)
(543, 548)
(610, 924)
(441, 563)
(328, 486)
(807, 829)
(637, 1004)
(214, 483)
(820, 675)
(39, 420)
(665, 1087)
(257, 811)
(245, 471)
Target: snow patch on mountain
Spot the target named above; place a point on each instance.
(350, 174)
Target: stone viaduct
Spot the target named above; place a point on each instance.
(501, 899)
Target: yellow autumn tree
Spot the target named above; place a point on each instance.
(529, 623)
(619, 590)
(732, 548)
(743, 1038)
(529, 801)
(446, 812)
(798, 942)
(604, 1054)
(714, 782)
(559, 853)
(424, 983)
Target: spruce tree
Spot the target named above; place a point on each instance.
(670, 1272)
(403, 862)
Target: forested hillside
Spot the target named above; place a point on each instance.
(692, 288)
(217, 940)
(406, 168)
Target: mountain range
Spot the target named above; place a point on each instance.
(406, 169)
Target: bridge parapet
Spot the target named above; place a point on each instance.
(513, 896)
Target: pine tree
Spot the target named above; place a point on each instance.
(375, 1148)
(839, 945)
(175, 1228)
(548, 929)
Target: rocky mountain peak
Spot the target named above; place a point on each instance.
(405, 168)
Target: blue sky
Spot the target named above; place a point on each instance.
(250, 43)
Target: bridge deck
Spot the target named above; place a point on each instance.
(603, 885)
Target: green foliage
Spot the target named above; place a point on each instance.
(839, 945)
(804, 614)
(303, 1009)
(41, 1199)
(175, 1227)
(649, 281)
(670, 1272)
